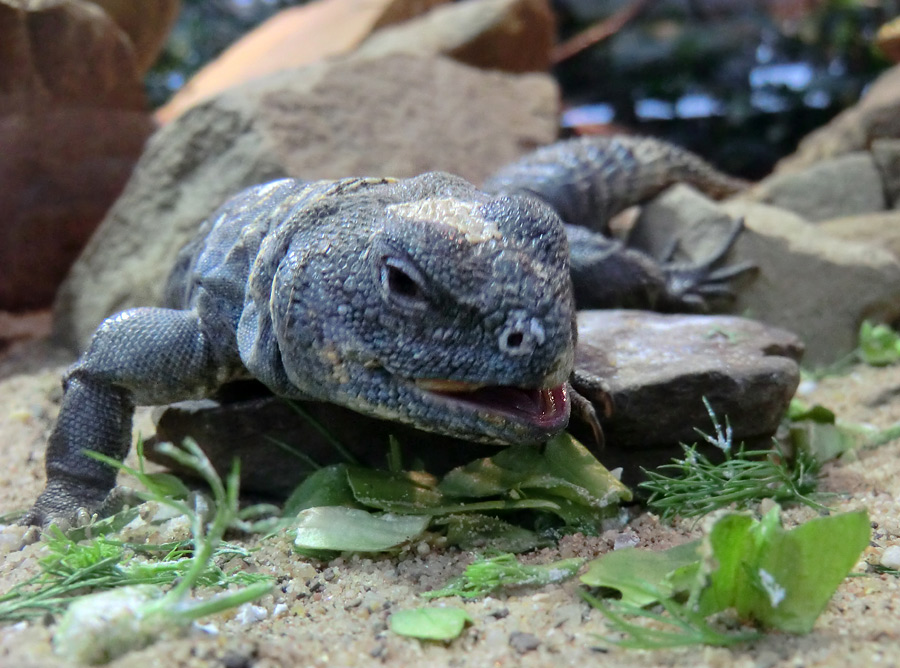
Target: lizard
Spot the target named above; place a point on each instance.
(423, 300)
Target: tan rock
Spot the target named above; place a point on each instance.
(878, 229)
(876, 116)
(811, 283)
(509, 35)
(147, 24)
(292, 38)
(72, 123)
(398, 115)
(845, 185)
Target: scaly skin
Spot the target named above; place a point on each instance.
(376, 294)
(591, 179)
(422, 300)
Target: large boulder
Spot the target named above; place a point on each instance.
(811, 283)
(874, 117)
(397, 115)
(72, 124)
(847, 185)
(147, 24)
(880, 229)
(816, 285)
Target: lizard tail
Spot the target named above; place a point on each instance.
(590, 179)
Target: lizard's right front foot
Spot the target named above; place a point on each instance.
(65, 504)
(691, 287)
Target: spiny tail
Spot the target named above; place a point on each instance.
(590, 179)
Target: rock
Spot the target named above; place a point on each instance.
(147, 25)
(886, 153)
(72, 124)
(523, 642)
(683, 217)
(888, 40)
(877, 229)
(398, 116)
(843, 186)
(810, 283)
(873, 117)
(890, 558)
(292, 38)
(509, 35)
(658, 369)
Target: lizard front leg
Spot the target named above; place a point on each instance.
(140, 356)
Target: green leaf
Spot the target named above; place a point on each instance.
(474, 531)
(341, 529)
(492, 476)
(799, 410)
(429, 623)
(879, 345)
(166, 484)
(326, 487)
(485, 575)
(642, 576)
(788, 579)
(571, 461)
(403, 492)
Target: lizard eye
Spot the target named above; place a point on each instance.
(402, 283)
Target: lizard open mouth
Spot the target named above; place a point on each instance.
(545, 408)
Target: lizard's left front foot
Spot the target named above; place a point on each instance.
(693, 286)
(65, 504)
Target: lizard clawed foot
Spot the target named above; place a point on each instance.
(694, 286)
(587, 393)
(58, 504)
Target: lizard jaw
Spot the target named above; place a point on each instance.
(544, 408)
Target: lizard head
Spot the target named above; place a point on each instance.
(429, 302)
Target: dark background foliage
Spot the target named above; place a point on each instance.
(740, 81)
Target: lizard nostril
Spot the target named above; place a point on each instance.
(515, 340)
(522, 334)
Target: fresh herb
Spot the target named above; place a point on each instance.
(700, 486)
(486, 575)
(430, 623)
(774, 578)
(675, 626)
(99, 627)
(562, 481)
(879, 345)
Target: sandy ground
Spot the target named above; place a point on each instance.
(335, 614)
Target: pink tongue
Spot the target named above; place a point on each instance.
(539, 405)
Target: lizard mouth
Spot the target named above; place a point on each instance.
(544, 408)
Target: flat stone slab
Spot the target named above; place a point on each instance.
(657, 368)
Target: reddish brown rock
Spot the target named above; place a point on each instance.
(292, 38)
(147, 24)
(508, 35)
(72, 123)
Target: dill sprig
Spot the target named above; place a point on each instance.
(698, 486)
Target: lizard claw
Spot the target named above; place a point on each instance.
(588, 393)
(59, 505)
(693, 286)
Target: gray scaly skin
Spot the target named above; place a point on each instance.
(423, 300)
(589, 180)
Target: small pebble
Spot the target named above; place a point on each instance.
(523, 642)
(250, 614)
(626, 539)
(890, 558)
